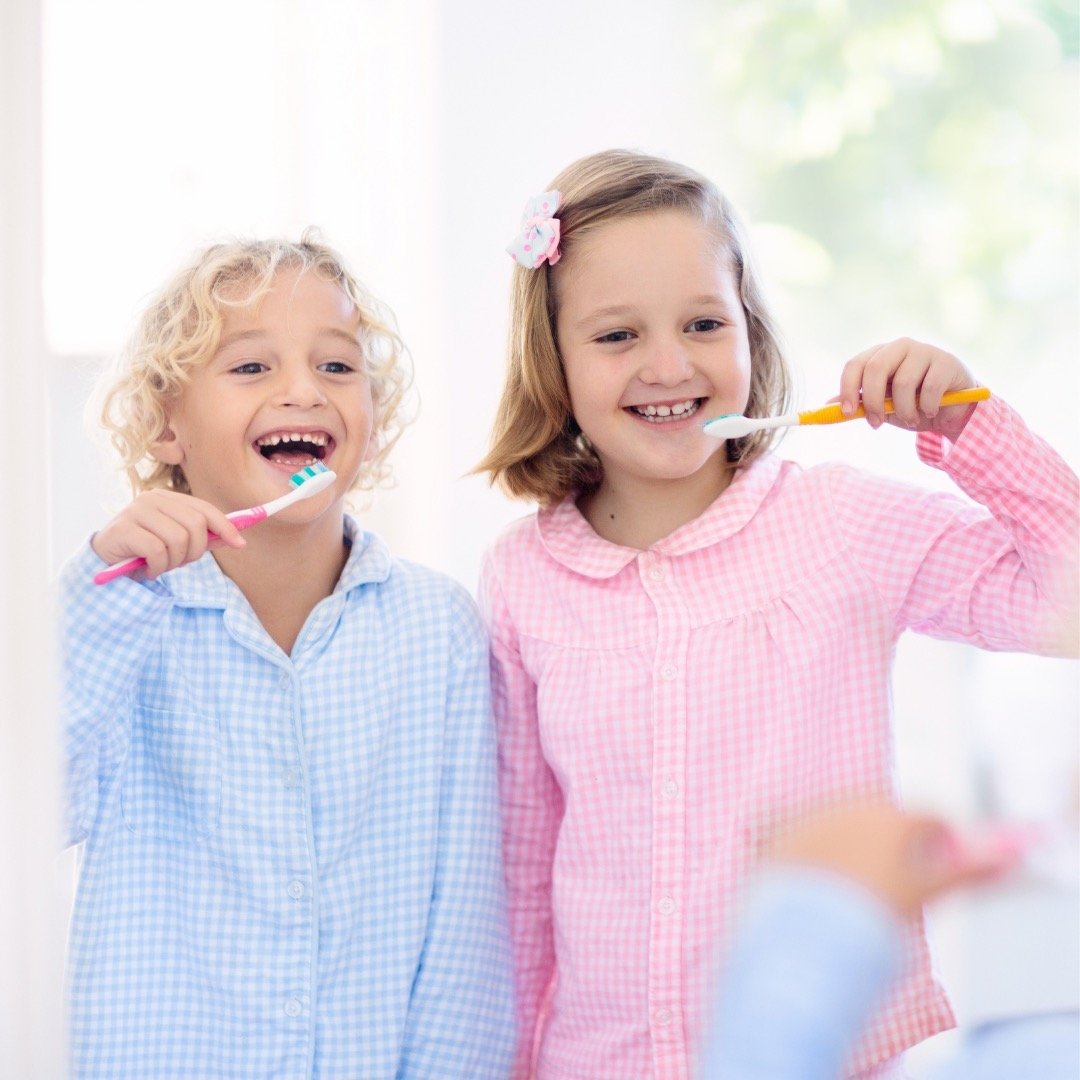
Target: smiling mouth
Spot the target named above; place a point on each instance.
(667, 414)
(295, 449)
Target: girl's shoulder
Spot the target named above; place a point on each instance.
(836, 478)
(520, 538)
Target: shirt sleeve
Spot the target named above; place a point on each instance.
(461, 1015)
(1000, 575)
(532, 809)
(814, 955)
(105, 634)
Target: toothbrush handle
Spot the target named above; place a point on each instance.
(242, 519)
(831, 414)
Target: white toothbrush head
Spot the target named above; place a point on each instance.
(731, 426)
(311, 479)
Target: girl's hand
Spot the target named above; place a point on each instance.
(165, 528)
(914, 375)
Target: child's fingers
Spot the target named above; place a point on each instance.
(218, 522)
(851, 380)
(139, 542)
(167, 529)
(157, 548)
(875, 381)
(197, 519)
(165, 539)
(946, 373)
(906, 383)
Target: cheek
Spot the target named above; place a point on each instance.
(589, 386)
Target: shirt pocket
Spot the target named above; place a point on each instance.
(172, 779)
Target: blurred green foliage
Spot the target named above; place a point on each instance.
(909, 167)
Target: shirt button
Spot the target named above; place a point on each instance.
(666, 906)
(289, 778)
(669, 671)
(296, 889)
(657, 573)
(293, 1007)
(670, 789)
(663, 1017)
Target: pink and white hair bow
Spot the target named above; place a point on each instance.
(539, 237)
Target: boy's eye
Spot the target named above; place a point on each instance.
(336, 367)
(615, 336)
(703, 326)
(250, 367)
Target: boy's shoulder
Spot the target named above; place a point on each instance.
(423, 600)
(405, 584)
(419, 583)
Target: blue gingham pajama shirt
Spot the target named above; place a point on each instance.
(290, 864)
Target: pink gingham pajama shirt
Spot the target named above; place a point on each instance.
(658, 709)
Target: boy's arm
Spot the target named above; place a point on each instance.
(106, 632)
(532, 810)
(461, 1013)
(1007, 580)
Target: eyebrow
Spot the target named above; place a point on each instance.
(256, 334)
(705, 299)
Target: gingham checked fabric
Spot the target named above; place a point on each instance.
(291, 863)
(658, 710)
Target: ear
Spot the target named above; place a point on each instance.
(167, 448)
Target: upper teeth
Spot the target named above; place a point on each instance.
(316, 438)
(667, 410)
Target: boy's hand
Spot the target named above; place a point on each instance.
(165, 528)
(914, 375)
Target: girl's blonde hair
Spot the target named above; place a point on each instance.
(537, 450)
(181, 328)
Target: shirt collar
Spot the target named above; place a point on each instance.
(202, 584)
(570, 540)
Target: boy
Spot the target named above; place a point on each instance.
(280, 753)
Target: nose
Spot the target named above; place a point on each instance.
(667, 363)
(299, 387)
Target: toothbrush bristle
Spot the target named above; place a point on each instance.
(307, 472)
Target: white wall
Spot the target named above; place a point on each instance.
(31, 916)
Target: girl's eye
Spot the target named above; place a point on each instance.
(336, 367)
(615, 336)
(703, 326)
(250, 367)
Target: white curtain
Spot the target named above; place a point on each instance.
(31, 912)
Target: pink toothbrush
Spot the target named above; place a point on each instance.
(309, 481)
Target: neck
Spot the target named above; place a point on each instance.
(637, 513)
(285, 570)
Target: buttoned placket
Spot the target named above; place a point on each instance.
(301, 889)
(283, 709)
(296, 889)
(666, 976)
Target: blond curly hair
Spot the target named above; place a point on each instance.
(181, 328)
(537, 450)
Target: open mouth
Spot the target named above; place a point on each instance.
(295, 449)
(667, 414)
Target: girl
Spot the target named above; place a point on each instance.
(692, 639)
